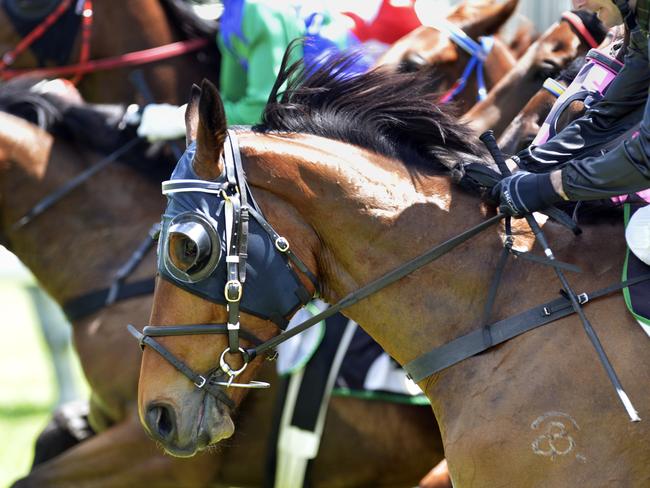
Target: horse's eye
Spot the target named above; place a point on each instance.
(189, 247)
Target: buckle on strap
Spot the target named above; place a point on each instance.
(201, 382)
(233, 291)
(582, 298)
(282, 244)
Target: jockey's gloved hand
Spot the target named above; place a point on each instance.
(162, 121)
(524, 193)
(477, 178)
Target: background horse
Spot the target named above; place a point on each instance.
(135, 26)
(432, 49)
(34, 163)
(356, 174)
(550, 54)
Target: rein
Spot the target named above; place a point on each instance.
(90, 303)
(65, 189)
(83, 8)
(85, 65)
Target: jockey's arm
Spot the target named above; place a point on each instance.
(605, 121)
(565, 166)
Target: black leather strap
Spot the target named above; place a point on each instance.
(382, 282)
(194, 329)
(90, 303)
(474, 343)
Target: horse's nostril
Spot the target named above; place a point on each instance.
(161, 421)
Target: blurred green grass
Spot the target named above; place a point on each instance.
(28, 391)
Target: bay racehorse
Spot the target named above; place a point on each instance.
(355, 178)
(572, 36)
(120, 204)
(452, 50)
(142, 35)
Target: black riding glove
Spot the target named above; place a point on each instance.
(524, 193)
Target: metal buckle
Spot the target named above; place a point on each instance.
(282, 244)
(582, 298)
(226, 291)
(233, 373)
(203, 382)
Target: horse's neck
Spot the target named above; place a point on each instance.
(371, 216)
(78, 244)
(498, 62)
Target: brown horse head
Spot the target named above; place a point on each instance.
(554, 51)
(173, 411)
(431, 49)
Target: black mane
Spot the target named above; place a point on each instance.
(96, 127)
(394, 114)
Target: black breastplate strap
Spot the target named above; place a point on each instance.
(475, 342)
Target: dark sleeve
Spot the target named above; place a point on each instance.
(605, 121)
(624, 169)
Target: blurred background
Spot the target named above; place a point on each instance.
(34, 331)
(32, 328)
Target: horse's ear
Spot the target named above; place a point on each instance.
(491, 18)
(210, 133)
(192, 115)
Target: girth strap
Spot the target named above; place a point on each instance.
(474, 343)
